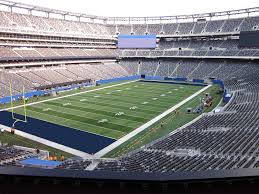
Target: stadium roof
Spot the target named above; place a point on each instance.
(30, 8)
(47, 10)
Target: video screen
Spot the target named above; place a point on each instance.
(137, 41)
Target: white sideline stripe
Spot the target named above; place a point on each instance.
(48, 143)
(52, 99)
(146, 125)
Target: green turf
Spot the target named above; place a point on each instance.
(169, 124)
(85, 111)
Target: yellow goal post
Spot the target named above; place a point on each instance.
(23, 105)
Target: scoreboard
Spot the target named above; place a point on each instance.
(249, 39)
(137, 41)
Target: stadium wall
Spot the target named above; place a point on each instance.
(7, 99)
(232, 181)
(219, 82)
(173, 82)
(198, 80)
(105, 81)
(226, 95)
(31, 94)
(153, 78)
(181, 79)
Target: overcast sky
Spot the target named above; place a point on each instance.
(143, 7)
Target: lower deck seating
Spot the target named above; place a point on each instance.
(34, 77)
(10, 155)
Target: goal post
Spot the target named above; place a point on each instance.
(23, 106)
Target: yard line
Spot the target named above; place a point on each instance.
(90, 115)
(112, 111)
(109, 103)
(119, 102)
(52, 99)
(131, 99)
(117, 143)
(94, 114)
(79, 118)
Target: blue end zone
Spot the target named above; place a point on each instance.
(76, 139)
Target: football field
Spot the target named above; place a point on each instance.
(112, 112)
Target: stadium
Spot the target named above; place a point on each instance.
(128, 104)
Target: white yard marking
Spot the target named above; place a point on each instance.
(119, 113)
(169, 92)
(154, 98)
(162, 95)
(82, 100)
(46, 109)
(52, 99)
(133, 107)
(66, 104)
(97, 96)
(146, 125)
(145, 102)
(175, 89)
(103, 121)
